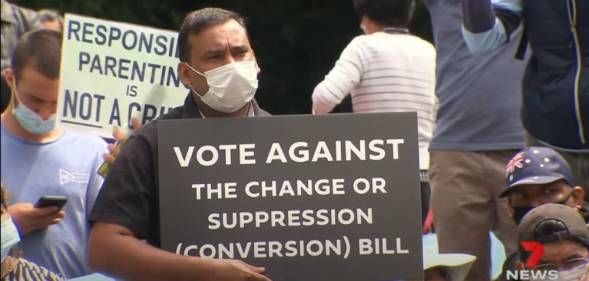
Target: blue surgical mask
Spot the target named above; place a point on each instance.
(10, 237)
(30, 120)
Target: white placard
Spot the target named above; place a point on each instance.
(111, 71)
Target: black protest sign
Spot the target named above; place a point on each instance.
(308, 197)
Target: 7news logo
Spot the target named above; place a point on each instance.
(530, 272)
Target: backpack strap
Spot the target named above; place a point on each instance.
(523, 45)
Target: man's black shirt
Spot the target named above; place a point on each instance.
(129, 195)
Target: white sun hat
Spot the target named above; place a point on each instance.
(458, 265)
(430, 245)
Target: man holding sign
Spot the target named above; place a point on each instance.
(218, 64)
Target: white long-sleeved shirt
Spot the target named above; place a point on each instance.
(385, 73)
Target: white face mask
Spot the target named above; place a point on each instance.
(231, 86)
(574, 274)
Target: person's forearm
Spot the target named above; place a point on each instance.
(131, 259)
(339, 82)
(488, 25)
(321, 104)
(481, 31)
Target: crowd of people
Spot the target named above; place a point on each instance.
(490, 177)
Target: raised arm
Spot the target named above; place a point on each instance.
(488, 24)
(340, 81)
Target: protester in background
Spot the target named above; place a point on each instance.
(218, 64)
(443, 267)
(478, 130)
(41, 159)
(537, 176)
(17, 269)
(16, 21)
(49, 19)
(555, 108)
(564, 236)
(386, 70)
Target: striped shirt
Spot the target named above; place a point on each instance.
(23, 270)
(385, 73)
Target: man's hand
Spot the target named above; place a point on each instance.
(120, 138)
(28, 218)
(235, 270)
(115, 250)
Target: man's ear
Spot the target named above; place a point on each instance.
(9, 76)
(578, 196)
(184, 74)
(11, 81)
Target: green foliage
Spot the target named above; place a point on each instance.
(296, 41)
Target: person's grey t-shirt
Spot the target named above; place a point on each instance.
(67, 167)
(479, 95)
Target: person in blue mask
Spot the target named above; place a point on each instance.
(40, 159)
(18, 269)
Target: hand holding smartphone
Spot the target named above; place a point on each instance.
(51, 201)
(47, 211)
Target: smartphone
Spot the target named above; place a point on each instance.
(51, 201)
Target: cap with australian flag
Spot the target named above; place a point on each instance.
(536, 165)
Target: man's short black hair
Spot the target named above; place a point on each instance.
(387, 13)
(41, 50)
(198, 20)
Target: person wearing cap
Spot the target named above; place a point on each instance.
(564, 236)
(539, 175)
(536, 176)
(443, 267)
